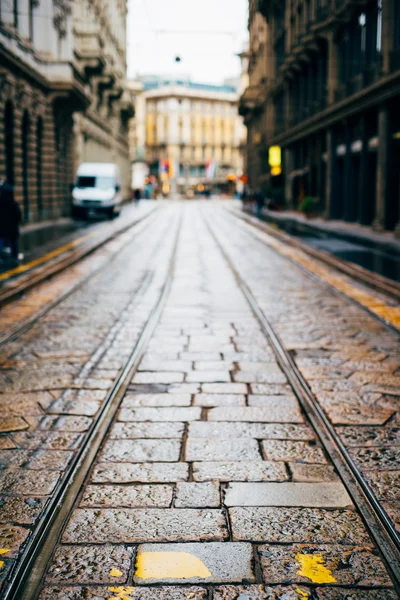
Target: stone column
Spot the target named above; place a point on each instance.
(330, 173)
(333, 68)
(382, 170)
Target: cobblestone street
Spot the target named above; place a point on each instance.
(194, 420)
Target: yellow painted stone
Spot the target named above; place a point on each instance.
(4, 550)
(302, 594)
(312, 566)
(170, 565)
(122, 593)
(116, 573)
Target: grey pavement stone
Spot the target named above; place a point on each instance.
(240, 471)
(52, 440)
(85, 408)
(190, 413)
(211, 400)
(255, 414)
(128, 496)
(27, 483)
(375, 459)
(23, 511)
(201, 449)
(393, 510)
(66, 423)
(353, 565)
(138, 400)
(157, 364)
(98, 526)
(201, 356)
(259, 377)
(197, 495)
(12, 537)
(141, 451)
(12, 424)
(216, 365)
(297, 525)
(224, 388)
(312, 473)
(279, 431)
(140, 473)
(289, 451)
(90, 564)
(287, 402)
(127, 592)
(208, 376)
(142, 429)
(343, 414)
(271, 389)
(225, 562)
(161, 377)
(313, 495)
(369, 436)
(295, 592)
(184, 388)
(385, 484)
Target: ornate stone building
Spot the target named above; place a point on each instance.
(194, 135)
(330, 99)
(62, 97)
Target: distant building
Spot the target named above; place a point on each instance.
(193, 135)
(62, 97)
(325, 87)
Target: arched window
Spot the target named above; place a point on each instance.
(39, 141)
(25, 163)
(9, 141)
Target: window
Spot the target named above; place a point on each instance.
(15, 10)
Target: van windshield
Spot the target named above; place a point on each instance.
(103, 183)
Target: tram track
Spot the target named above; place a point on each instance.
(372, 280)
(16, 331)
(24, 581)
(376, 520)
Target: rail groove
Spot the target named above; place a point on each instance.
(25, 580)
(377, 522)
(21, 328)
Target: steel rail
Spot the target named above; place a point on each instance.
(373, 280)
(389, 326)
(8, 295)
(376, 520)
(25, 580)
(20, 328)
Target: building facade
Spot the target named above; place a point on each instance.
(330, 99)
(193, 135)
(62, 97)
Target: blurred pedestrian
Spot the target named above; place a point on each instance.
(10, 219)
(260, 202)
(137, 196)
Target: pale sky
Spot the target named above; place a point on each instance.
(206, 34)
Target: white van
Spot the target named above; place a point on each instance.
(97, 189)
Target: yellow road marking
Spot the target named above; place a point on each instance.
(116, 573)
(122, 593)
(302, 594)
(44, 258)
(312, 566)
(170, 565)
(4, 550)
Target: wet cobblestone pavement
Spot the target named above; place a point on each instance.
(211, 482)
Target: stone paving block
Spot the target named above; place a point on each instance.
(260, 592)
(271, 389)
(355, 594)
(224, 388)
(200, 449)
(88, 408)
(297, 525)
(66, 423)
(260, 367)
(49, 459)
(140, 473)
(255, 414)
(12, 424)
(201, 356)
(259, 377)
(51, 440)
(158, 377)
(353, 565)
(138, 400)
(240, 471)
(312, 495)
(290, 451)
(370, 436)
(197, 495)
(208, 376)
(146, 430)
(98, 526)
(211, 400)
(312, 473)
(90, 564)
(342, 414)
(376, 459)
(184, 388)
(393, 511)
(12, 537)
(23, 511)
(385, 484)
(6, 442)
(216, 365)
(141, 451)
(126, 592)
(279, 431)
(176, 366)
(283, 402)
(27, 483)
(127, 496)
(190, 413)
(194, 563)
(20, 405)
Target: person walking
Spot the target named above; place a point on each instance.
(260, 202)
(137, 195)
(10, 219)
